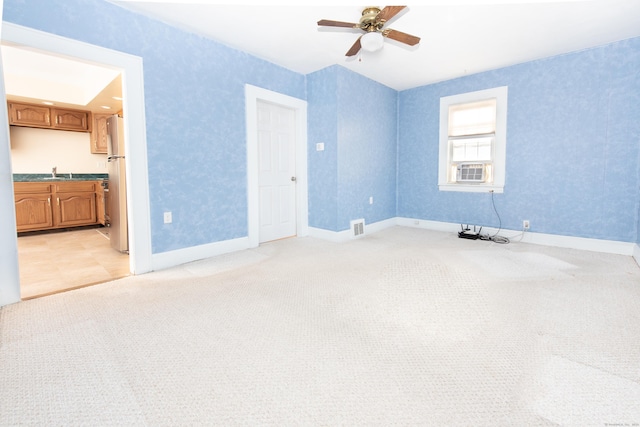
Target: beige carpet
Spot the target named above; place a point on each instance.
(402, 327)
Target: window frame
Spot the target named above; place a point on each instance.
(500, 141)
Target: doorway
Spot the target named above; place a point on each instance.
(296, 111)
(53, 258)
(140, 260)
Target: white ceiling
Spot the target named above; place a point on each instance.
(459, 37)
(30, 74)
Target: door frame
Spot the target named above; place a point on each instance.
(140, 259)
(253, 94)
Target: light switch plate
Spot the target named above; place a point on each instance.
(320, 146)
(167, 218)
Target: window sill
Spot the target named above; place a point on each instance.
(471, 188)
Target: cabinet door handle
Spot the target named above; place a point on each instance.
(49, 200)
(58, 200)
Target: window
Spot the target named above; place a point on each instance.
(473, 128)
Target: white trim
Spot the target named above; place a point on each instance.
(447, 227)
(570, 242)
(500, 143)
(346, 235)
(182, 256)
(380, 225)
(471, 188)
(331, 236)
(252, 95)
(10, 283)
(135, 127)
(194, 253)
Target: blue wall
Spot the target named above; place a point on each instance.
(356, 118)
(322, 117)
(195, 112)
(573, 141)
(573, 134)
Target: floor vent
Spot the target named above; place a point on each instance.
(357, 228)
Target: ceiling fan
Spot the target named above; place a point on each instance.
(372, 23)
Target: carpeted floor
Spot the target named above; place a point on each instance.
(402, 327)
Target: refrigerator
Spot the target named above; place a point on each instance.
(117, 194)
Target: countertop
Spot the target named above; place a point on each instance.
(46, 177)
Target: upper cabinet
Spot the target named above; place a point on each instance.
(51, 118)
(99, 134)
(76, 120)
(29, 115)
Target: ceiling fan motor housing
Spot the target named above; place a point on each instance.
(369, 20)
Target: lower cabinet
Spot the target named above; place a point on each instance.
(73, 209)
(41, 206)
(33, 211)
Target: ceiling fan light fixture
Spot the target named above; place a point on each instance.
(372, 41)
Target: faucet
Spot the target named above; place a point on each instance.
(54, 171)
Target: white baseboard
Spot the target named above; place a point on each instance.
(345, 235)
(381, 225)
(582, 243)
(182, 256)
(331, 236)
(428, 225)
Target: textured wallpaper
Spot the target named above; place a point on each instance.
(367, 151)
(356, 118)
(195, 112)
(573, 144)
(573, 134)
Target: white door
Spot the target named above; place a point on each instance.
(277, 173)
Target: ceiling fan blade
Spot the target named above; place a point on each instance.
(329, 23)
(389, 12)
(355, 48)
(401, 37)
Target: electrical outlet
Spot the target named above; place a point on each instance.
(371, 200)
(167, 218)
(526, 224)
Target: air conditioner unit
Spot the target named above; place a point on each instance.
(471, 172)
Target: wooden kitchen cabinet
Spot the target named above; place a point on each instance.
(33, 206)
(75, 120)
(31, 115)
(42, 206)
(99, 134)
(75, 203)
(75, 209)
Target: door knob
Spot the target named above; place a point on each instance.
(293, 178)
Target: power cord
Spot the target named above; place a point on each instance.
(495, 238)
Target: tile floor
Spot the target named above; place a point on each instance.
(64, 260)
